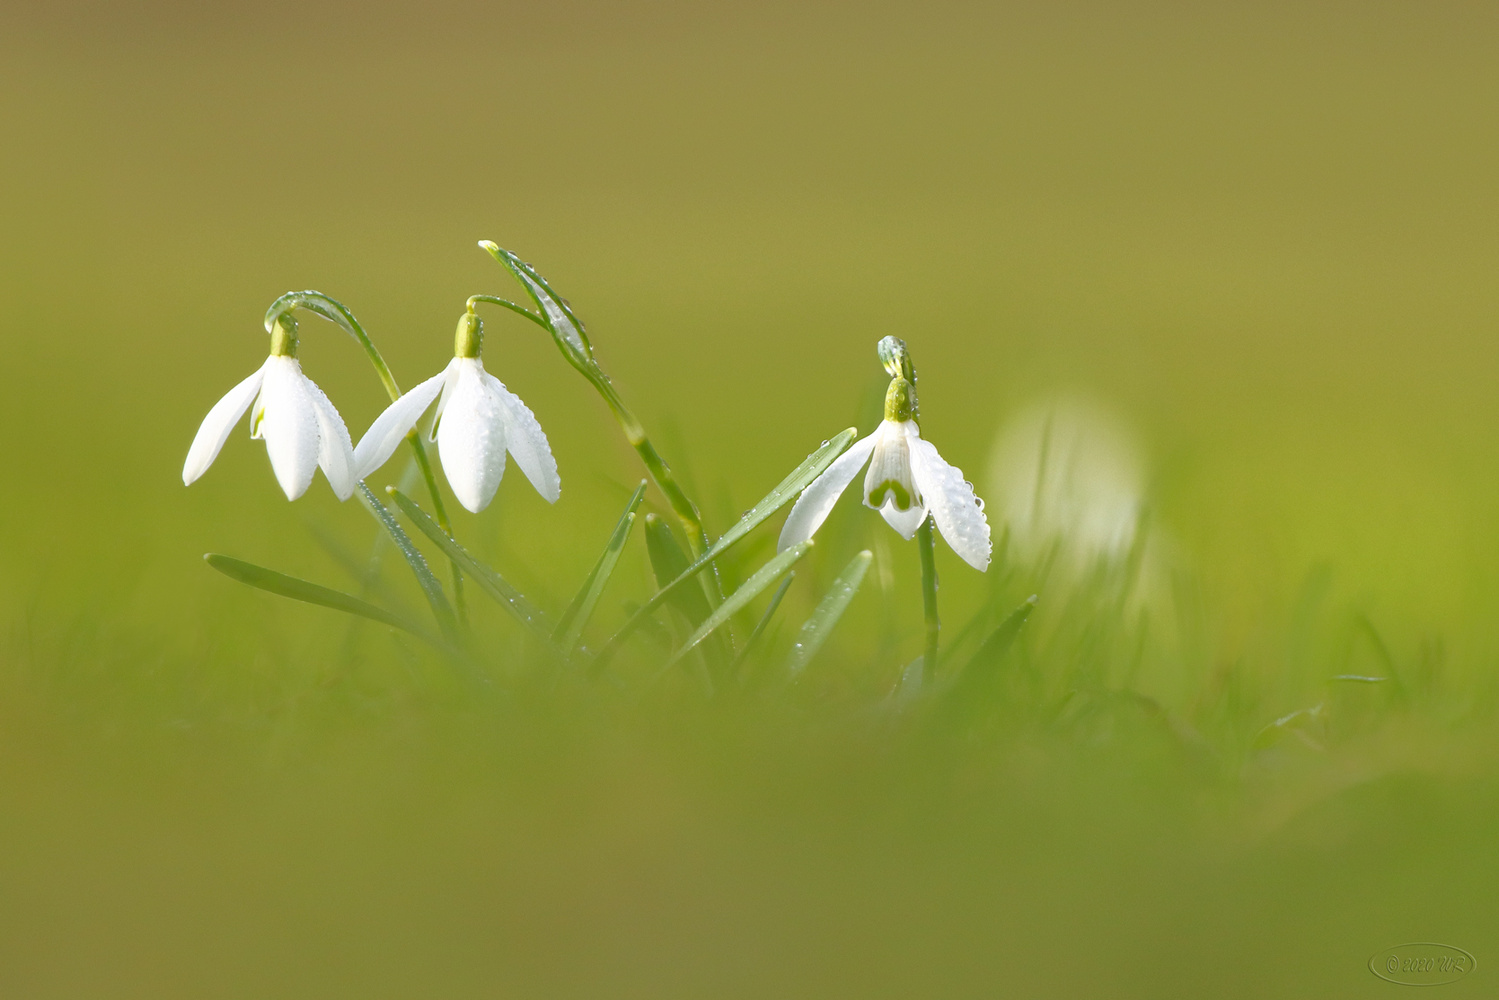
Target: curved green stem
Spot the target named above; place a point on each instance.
(495, 300)
(339, 314)
(928, 596)
(567, 331)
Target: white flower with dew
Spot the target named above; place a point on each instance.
(301, 429)
(478, 420)
(907, 480)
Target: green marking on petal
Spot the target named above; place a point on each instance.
(893, 489)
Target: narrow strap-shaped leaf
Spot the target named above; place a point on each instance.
(787, 490)
(572, 340)
(500, 591)
(819, 626)
(570, 626)
(971, 691)
(1000, 640)
(564, 324)
(668, 563)
(312, 593)
(1286, 723)
(813, 466)
(365, 571)
(1381, 649)
(441, 609)
(748, 591)
(764, 622)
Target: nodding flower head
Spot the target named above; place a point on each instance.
(301, 429)
(478, 420)
(907, 480)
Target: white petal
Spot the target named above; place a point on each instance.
(527, 442)
(335, 450)
(391, 427)
(450, 379)
(289, 425)
(816, 502)
(215, 429)
(905, 522)
(890, 480)
(471, 437)
(958, 513)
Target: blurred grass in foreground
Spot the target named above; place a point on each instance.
(1263, 238)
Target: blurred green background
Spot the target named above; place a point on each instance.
(1262, 239)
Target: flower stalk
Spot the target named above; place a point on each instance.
(927, 548)
(567, 330)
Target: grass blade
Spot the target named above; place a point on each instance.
(564, 324)
(762, 578)
(364, 572)
(311, 593)
(1001, 639)
(441, 609)
(570, 627)
(967, 697)
(811, 467)
(572, 340)
(668, 563)
(799, 479)
(1291, 723)
(760, 626)
(495, 586)
(819, 626)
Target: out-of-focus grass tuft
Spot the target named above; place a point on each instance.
(333, 807)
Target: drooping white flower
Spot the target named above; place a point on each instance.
(478, 420)
(301, 429)
(907, 481)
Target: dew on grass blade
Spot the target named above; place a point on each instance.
(830, 609)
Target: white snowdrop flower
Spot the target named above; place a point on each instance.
(907, 480)
(301, 429)
(478, 420)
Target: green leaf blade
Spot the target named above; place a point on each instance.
(1000, 640)
(310, 593)
(764, 622)
(574, 620)
(566, 328)
(669, 564)
(811, 467)
(748, 591)
(493, 585)
(441, 609)
(815, 631)
(797, 480)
